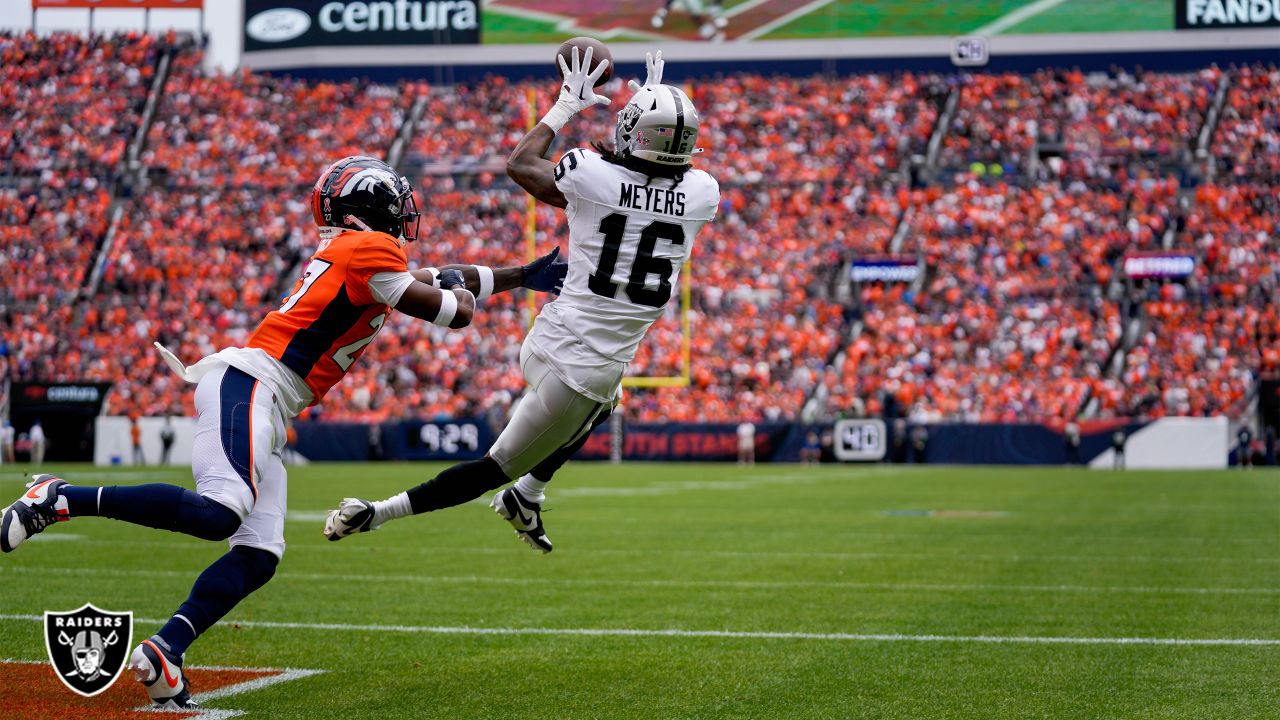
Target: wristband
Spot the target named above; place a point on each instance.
(435, 277)
(448, 308)
(557, 116)
(486, 281)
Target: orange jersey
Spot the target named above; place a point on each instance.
(330, 317)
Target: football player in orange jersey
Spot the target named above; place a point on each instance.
(244, 396)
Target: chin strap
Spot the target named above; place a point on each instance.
(357, 222)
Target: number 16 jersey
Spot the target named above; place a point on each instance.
(629, 238)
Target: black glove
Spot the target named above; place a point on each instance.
(450, 279)
(546, 274)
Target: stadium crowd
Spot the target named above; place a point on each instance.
(1106, 123)
(1020, 315)
(70, 104)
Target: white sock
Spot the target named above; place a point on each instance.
(396, 506)
(532, 488)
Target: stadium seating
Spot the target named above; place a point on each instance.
(1106, 124)
(1022, 313)
(69, 104)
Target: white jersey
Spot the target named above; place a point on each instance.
(629, 237)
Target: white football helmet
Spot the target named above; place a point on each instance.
(659, 125)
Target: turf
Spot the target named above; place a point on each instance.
(1006, 552)
(878, 18)
(872, 18)
(502, 28)
(1099, 16)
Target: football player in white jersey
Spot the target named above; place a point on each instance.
(633, 211)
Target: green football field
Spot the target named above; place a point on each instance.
(712, 591)
(525, 21)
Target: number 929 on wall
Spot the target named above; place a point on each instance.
(859, 440)
(443, 440)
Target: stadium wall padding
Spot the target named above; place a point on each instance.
(986, 444)
(1176, 443)
(113, 445)
(1164, 443)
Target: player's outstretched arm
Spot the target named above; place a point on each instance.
(545, 274)
(451, 305)
(528, 164)
(530, 168)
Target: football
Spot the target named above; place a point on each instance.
(600, 52)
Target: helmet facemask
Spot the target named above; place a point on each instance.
(364, 193)
(410, 218)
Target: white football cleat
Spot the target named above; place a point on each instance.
(352, 516)
(524, 515)
(38, 508)
(160, 672)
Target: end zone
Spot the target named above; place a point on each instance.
(31, 691)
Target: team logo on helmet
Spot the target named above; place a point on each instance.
(364, 181)
(88, 647)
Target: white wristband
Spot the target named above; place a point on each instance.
(486, 281)
(448, 308)
(435, 277)
(557, 116)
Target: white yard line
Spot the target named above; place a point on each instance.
(1026, 12)
(278, 676)
(364, 546)
(728, 634)
(171, 472)
(660, 583)
(743, 7)
(778, 22)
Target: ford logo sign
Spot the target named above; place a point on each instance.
(277, 25)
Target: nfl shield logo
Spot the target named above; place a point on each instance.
(88, 646)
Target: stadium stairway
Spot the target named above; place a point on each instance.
(131, 171)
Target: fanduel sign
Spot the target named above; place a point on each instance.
(1219, 14)
(277, 24)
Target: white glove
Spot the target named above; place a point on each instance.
(654, 64)
(578, 91)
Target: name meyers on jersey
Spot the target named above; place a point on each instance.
(652, 199)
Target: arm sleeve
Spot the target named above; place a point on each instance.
(378, 254)
(388, 287)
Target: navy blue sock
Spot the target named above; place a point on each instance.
(165, 507)
(455, 485)
(230, 579)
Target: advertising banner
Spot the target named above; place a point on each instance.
(888, 269)
(1140, 267)
(281, 24)
(65, 412)
(685, 442)
(1225, 14)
